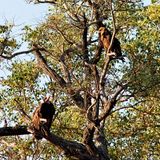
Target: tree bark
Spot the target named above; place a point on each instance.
(13, 131)
(70, 148)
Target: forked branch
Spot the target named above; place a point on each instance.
(75, 95)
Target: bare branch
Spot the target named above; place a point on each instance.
(45, 1)
(84, 40)
(110, 104)
(49, 71)
(65, 68)
(18, 53)
(13, 131)
(73, 16)
(20, 108)
(118, 91)
(62, 34)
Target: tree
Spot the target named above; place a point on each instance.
(106, 109)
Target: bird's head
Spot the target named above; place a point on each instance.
(102, 30)
(46, 100)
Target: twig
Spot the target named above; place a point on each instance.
(45, 1)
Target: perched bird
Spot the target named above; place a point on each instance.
(105, 38)
(42, 119)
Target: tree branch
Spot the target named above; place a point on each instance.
(13, 131)
(110, 104)
(45, 1)
(75, 95)
(70, 148)
(65, 68)
(18, 53)
(102, 143)
(84, 40)
(88, 136)
(49, 71)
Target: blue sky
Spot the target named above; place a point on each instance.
(21, 12)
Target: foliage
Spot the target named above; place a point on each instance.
(131, 127)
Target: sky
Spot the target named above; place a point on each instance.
(21, 12)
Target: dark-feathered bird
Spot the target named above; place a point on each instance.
(42, 118)
(105, 37)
